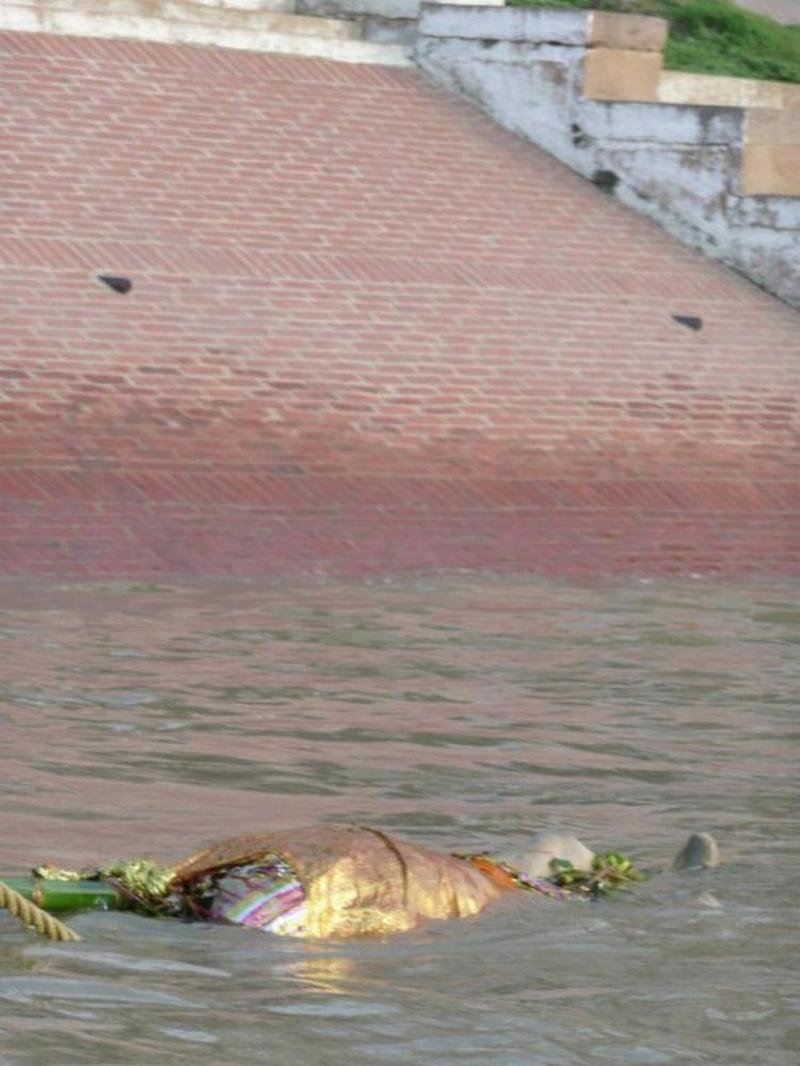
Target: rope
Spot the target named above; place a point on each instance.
(32, 916)
(390, 844)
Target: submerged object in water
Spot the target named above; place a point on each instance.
(698, 853)
(331, 881)
(356, 880)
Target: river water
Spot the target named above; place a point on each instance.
(462, 712)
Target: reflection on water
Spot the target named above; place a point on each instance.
(458, 712)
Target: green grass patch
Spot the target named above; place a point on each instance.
(710, 36)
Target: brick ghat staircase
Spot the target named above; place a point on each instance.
(366, 331)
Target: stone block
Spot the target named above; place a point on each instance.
(677, 87)
(389, 31)
(470, 3)
(531, 25)
(662, 124)
(775, 213)
(388, 9)
(771, 170)
(247, 5)
(263, 30)
(384, 9)
(688, 182)
(768, 126)
(637, 33)
(621, 74)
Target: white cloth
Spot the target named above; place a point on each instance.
(534, 859)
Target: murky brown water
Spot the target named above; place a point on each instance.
(459, 712)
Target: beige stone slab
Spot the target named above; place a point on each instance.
(188, 15)
(771, 170)
(220, 12)
(637, 33)
(677, 87)
(773, 126)
(311, 38)
(333, 29)
(621, 74)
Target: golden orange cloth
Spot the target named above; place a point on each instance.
(358, 881)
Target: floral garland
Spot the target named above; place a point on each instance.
(609, 872)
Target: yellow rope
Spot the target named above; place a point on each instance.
(31, 915)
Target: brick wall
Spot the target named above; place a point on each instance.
(368, 331)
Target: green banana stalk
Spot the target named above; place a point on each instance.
(61, 897)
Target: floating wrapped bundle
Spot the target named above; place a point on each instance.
(322, 882)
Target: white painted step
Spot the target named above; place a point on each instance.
(183, 16)
(225, 23)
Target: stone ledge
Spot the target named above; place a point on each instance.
(584, 29)
(662, 124)
(637, 33)
(388, 9)
(189, 18)
(531, 25)
(257, 31)
(621, 74)
(223, 13)
(389, 21)
(770, 170)
(766, 126)
(678, 87)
